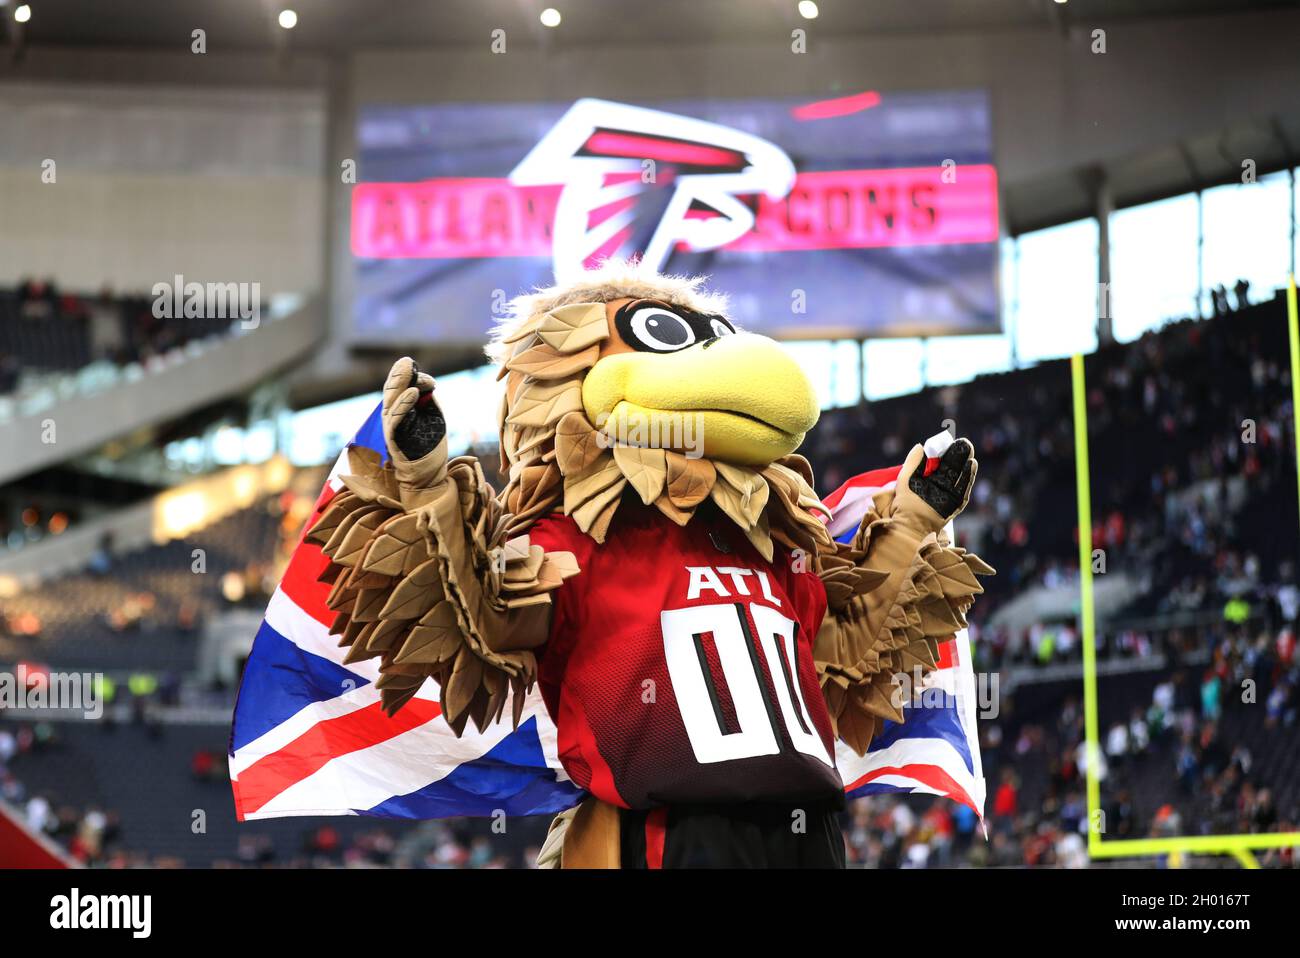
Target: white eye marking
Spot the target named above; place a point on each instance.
(661, 330)
(721, 329)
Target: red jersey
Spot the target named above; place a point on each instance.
(679, 665)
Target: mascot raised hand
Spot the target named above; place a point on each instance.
(659, 564)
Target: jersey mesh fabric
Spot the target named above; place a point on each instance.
(606, 680)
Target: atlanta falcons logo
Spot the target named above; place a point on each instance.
(641, 181)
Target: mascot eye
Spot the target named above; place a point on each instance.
(659, 330)
(720, 327)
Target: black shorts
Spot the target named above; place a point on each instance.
(794, 835)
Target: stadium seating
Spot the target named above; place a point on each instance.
(1167, 417)
(143, 609)
(1032, 750)
(42, 329)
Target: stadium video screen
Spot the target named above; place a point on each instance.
(863, 215)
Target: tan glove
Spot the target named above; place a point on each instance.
(919, 590)
(415, 433)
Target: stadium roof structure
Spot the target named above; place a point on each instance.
(342, 25)
(1168, 157)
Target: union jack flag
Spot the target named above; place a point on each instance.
(309, 736)
(936, 749)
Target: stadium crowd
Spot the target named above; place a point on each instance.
(1193, 470)
(44, 328)
(1179, 755)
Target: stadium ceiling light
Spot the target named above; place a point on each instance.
(22, 13)
(288, 19)
(550, 17)
(808, 10)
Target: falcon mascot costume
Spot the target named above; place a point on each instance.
(659, 563)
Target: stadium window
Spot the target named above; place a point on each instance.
(832, 366)
(959, 359)
(1152, 265)
(317, 435)
(259, 441)
(228, 446)
(1295, 220)
(1247, 229)
(814, 358)
(471, 401)
(846, 362)
(894, 367)
(1057, 292)
(1009, 293)
(192, 453)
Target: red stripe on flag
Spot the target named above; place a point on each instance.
(947, 654)
(872, 480)
(931, 776)
(300, 582)
(305, 566)
(326, 496)
(326, 740)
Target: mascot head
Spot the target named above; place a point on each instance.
(631, 378)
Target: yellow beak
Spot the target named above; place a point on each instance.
(739, 399)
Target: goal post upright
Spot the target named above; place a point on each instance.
(1238, 846)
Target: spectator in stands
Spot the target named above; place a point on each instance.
(25, 624)
(1242, 292)
(256, 850)
(107, 334)
(324, 841)
(9, 370)
(101, 561)
(1117, 743)
(1220, 296)
(1278, 705)
(37, 300)
(1211, 696)
(1005, 800)
(1139, 733)
(188, 614)
(1261, 811)
(133, 613)
(202, 765)
(39, 814)
(1286, 646)
(1166, 823)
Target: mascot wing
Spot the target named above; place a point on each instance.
(894, 592)
(424, 573)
